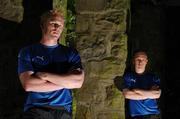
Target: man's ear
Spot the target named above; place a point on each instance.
(132, 61)
(41, 26)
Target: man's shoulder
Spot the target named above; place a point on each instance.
(26, 50)
(152, 74)
(68, 49)
(129, 74)
(27, 47)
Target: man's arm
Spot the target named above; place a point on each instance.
(34, 83)
(132, 94)
(152, 94)
(139, 94)
(71, 80)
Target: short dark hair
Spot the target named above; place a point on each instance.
(139, 50)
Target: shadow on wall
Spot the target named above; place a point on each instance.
(172, 76)
(13, 37)
(10, 90)
(156, 27)
(118, 82)
(146, 33)
(30, 31)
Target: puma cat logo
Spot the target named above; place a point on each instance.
(40, 57)
(133, 80)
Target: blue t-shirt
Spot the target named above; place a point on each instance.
(145, 81)
(57, 59)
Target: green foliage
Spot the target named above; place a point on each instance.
(61, 5)
(70, 23)
(70, 36)
(67, 7)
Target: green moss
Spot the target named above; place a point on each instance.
(74, 106)
(116, 116)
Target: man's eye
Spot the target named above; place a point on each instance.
(55, 25)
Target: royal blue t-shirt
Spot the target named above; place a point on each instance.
(55, 59)
(144, 81)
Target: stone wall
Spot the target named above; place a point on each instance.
(102, 44)
(11, 10)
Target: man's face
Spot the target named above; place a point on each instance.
(140, 62)
(53, 28)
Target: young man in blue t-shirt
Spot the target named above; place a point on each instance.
(48, 71)
(142, 89)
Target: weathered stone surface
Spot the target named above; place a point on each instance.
(11, 10)
(102, 99)
(16, 2)
(90, 5)
(117, 4)
(102, 44)
(105, 45)
(83, 23)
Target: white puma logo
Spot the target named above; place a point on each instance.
(133, 80)
(40, 57)
(41, 60)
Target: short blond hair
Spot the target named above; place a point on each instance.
(45, 17)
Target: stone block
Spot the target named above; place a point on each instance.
(83, 23)
(117, 4)
(90, 5)
(16, 2)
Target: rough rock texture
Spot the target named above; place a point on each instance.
(102, 44)
(11, 10)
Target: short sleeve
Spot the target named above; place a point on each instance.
(127, 81)
(156, 81)
(24, 61)
(75, 60)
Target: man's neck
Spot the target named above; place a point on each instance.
(48, 42)
(140, 73)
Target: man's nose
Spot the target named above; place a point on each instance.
(56, 26)
(140, 61)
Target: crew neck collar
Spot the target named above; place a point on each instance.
(52, 46)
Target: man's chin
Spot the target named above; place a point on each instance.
(55, 36)
(140, 71)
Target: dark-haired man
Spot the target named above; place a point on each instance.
(142, 89)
